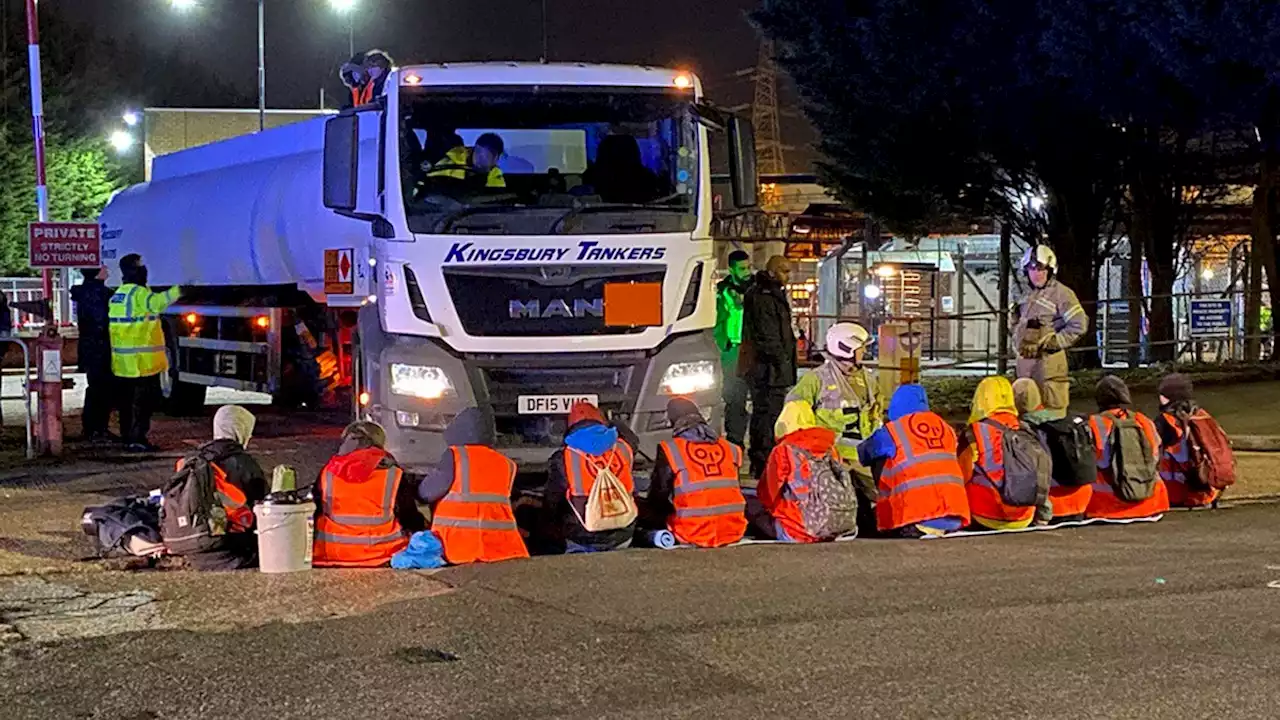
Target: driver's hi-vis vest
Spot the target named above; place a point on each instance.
(923, 480)
(456, 164)
(709, 508)
(474, 521)
(357, 526)
(137, 338)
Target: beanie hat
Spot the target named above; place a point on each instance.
(583, 410)
(1026, 395)
(367, 430)
(679, 407)
(1112, 393)
(1177, 388)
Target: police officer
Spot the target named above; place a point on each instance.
(94, 352)
(729, 295)
(845, 398)
(1049, 321)
(137, 349)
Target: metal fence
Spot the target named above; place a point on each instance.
(26, 289)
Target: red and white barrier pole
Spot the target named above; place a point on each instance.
(49, 345)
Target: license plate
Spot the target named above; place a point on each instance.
(227, 364)
(552, 404)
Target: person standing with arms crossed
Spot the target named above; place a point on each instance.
(768, 359)
(730, 293)
(1049, 321)
(137, 349)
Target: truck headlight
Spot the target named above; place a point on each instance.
(420, 381)
(689, 377)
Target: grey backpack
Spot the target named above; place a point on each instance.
(1133, 461)
(192, 519)
(830, 508)
(1027, 466)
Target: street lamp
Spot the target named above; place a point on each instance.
(121, 140)
(348, 8)
(131, 118)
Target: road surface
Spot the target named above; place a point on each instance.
(1172, 620)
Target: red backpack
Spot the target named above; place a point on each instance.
(1212, 463)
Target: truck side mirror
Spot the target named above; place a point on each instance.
(742, 163)
(341, 162)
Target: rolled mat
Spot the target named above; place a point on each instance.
(661, 539)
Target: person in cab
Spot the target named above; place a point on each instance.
(1006, 469)
(845, 398)
(469, 492)
(806, 494)
(366, 509)
(695, 491)
(1128, 485)
(593, 452)
(477, 164)
(1196, 460)
(919, 483)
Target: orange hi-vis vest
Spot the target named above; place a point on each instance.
(1104, 503)
(581, 469)
(357, 526)
(988, 477)
(239, 515)
(474, 521)
(922, 481)
(362, 95)
(1175, 461)
(709, 508)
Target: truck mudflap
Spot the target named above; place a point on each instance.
(528, 394)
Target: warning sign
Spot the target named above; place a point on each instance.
(64, 245)
(339, 271)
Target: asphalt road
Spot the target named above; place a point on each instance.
(1172, 620)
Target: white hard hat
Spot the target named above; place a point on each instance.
(1040, 255)
(846, 338)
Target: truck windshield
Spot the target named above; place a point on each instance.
(542, 160)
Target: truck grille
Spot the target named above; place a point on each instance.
(549, 301)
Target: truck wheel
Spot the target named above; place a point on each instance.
(179, 399)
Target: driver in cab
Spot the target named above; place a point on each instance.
(473, 164)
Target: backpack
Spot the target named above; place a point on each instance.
(1133, 461)
(1212, 463)
(609, 504)
(192, 518)
(1071, 448)
(830, 508)
(1027, 466)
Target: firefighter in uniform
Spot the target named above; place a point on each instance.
(137, 349)
(845, 399)
(1048, 322)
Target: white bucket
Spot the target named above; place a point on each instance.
(285, 534)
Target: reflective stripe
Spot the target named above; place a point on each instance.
(713, 484)
(391, 475)
(473, 523)
(478, 498)
(356, 539)
(227, 501)
(144, 318)
(139, 350)
(128, 302)
(1072, 312)
(729, 509)
(910, 485)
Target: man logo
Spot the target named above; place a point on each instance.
(555, 308)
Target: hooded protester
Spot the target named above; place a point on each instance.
(1177, 405)
(1066, 502)
(913, 458)
(994, 413)
(695, 492)
(239, 483)
(470, 493)
(802, 452)
(365, 74)
(366, 506)
(1030, 403)
(590, 446)
(1115, 405)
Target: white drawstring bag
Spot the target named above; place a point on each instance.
(609, 504)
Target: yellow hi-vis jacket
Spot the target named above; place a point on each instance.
(137, 339)
(455, 165)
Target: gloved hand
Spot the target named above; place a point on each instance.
(1030, 346)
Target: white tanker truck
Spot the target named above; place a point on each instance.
(328, 253)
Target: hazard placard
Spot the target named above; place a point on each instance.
(339, 271)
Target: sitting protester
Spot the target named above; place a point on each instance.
(366, 507)
(1127, 450)
(220, 537)
(806, 494)
(1196, 461)
(592, 452)
(918, 478)
(469, 491)
(695, 492)
(1005, 467)
(1069, 440)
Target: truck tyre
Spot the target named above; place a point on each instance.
(179, 399)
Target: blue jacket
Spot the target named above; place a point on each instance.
(906, 399)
